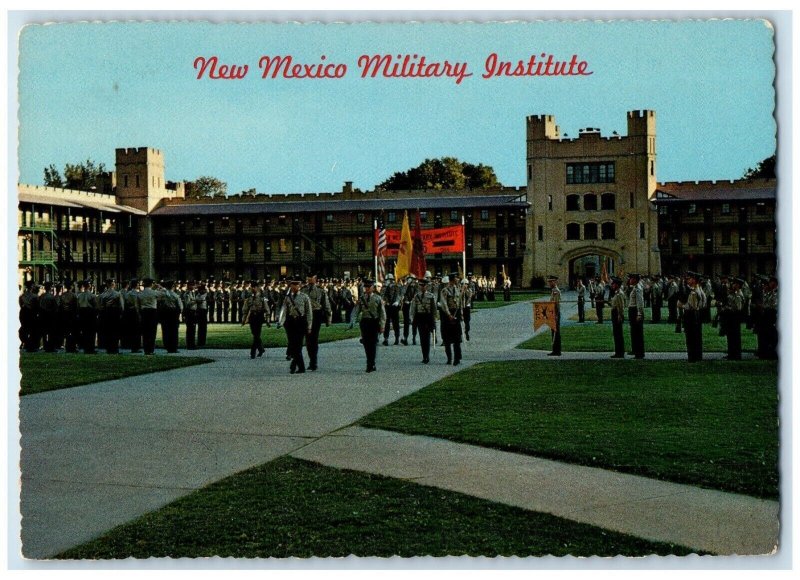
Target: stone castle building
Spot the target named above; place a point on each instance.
(591, 205)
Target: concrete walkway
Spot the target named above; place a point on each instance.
(97, 456)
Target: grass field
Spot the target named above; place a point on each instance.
(238, 336)
(713, 424)
(48, 372)
(292, 508)
(593, 337)
(515, 298)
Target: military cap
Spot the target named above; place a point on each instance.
(552, 278)
(428, 274)
(694, 275)
(412, 276)
(390, 276)
(615, 280)
(445, 279)
(368, 283)
(147, 281)
(739, 281)
(424, 282)
(465, 281)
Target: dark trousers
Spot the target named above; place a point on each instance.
(234, 312)
(451, 336)
(202, 326)
(467, 311)
(149, 329)
(657, 310)
(48, 324)
(190, 317)
(211, 311)
(769, 334)
(87, 321)
(256, 321)
(733, 332)
(348, 312)
(392, 320)
(336, 315)
(132, 332)
(69, 325)
(369, 338)
(672, 308)
(226, 309)
(296, 329)
(581, 309)
(694, 334)
(599, 304)
(110, 319)
(619, 337)
(28, 329)
(408, 323)
(312, 341)
(169, 329)
(637, 332)
(424, 323)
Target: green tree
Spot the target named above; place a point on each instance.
(52, 177)
(83, 176)
(764, 169)
(206, 186)
(443, 173)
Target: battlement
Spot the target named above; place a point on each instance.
(542, 127)
(62, 193)
(138, 154)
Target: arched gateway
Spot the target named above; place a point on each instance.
(589, 261)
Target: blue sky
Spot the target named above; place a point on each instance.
(86, 89)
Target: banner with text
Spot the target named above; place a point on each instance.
(448, 240)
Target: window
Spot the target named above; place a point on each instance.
(663, 210)
(573, 203)
(195, 246)
(225, 221)
(423, 216)
(608, 201)
(726, 237)
(484, 242)
(632, 201)
(761, 209)
(137, 180)
(485, 215)
(692, 238)
(608, 230)
(692, 209)
(361, 245)
(573, 231)
(590, 172)
(329, 217)
(641, 230)
(530, 172)
(253, 246)
(281, 220)
(454, 217)
(590, 202)
(590, 231)
(196, 222)
(652, 167)
(125, 180)
(550, 202)
(540, 232)
(360, 218)
(501, 246)
(226, 247)
(391, 217)
(726, 208)
(267, 250)
(282, 245)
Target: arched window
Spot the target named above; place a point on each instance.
(590, 231)
(573, 203)
(608, 201)
(573, 231)
(590, 202)
(608, 230)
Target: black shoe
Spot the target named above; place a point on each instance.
(374, 368)
(425, 361)
(396, 342)
(300, 371)
(449, 362)
(639, 357)
(261, 352)
(404, 341)
(288, 357)
(293, 367)
(385, 343)
(252, 355)
(312, 367)
(456, 362)
(414, 342)
(467, 334)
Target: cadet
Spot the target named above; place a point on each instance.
(297, 317)
(692, 318)
(131, 318)
(371, 314)
(617, 317)
(320, 312)
(69, 317)
(111, 306)
(391, 299)
(581, 290)
(769, 319)
(256, 312)
(28, 317)
(656, 298)
(450, 304)
(219, 299)
(636, 315)
(148, 309)
(672, 300)
(409, 293)
(466, 305)
(555, 298)
(731, 317)
(190, 315)
(48, 318)
(87, 317)
(423, 313)
(169, 312)
(203, 301)
(599, 299)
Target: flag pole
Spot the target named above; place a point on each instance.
(464, 251)
(375, 246)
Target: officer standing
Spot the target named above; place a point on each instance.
(466, 305)
(111, 307)
(731, 317)
(450, 304)
(423, 313)
(320, 312)
(391, 298)
(148, 309)
(131, 318)
(555, 298)
(256, 312)
(409, 293)
(190, 315)
(169, 312)
(371, 314)
(617, 317)
(636, 315)
(297, 318)
(581, 291)
(692, 318)
(87, 317)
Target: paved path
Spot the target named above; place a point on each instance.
(96, 456)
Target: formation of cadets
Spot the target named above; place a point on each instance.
(689, 300)
(83, 317)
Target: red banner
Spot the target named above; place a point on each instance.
(449, 240)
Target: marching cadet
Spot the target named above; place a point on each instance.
(348, 301)
(617, 317)
(692, 318)
(371, 314)
(391, 299)
(28, 317)
(297, 318)
(111, 306)
(731, 316)
(555, 298)
(48, 317)
(769, 319)
(320, 312)
(148, 309)
(190, 315)
(131, 318)
(423, 312)
(69, 317)
(672, 300)
(581, 290)
(636, 315)
(599, 299)
(201, 296)
(409, 293)
(450, 304)
(169, 312)
(592, 291)
(87, 317)
(256, 313)
(466, 305)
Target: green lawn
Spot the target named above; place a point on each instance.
(713, 424)
(292, 508)
(238, 336)
(515, 298)
(593, 337)
(48, 372)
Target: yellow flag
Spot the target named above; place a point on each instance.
(544, 313)
(403, 266)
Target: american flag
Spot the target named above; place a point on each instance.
(381, 248)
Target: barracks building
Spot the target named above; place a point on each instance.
(591, 205)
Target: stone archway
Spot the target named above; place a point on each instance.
(588, 262)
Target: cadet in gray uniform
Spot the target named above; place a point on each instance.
(131, 318)
(111, 306)
(555, 298)
(423, 313)
(28, 317)
(48, 318)
(203, 301)
(297, 317)
(636, 315)
(466, 305)
(692, 318)
(87, 317)
(371, 314)
(409, 293)
(321, 312)
(69, 317)
(617, 317)
(581, 290)
(392, 295)
(731, 318)
(148, 309)
(169, 312)
(450, 304)
(256, 312)
(190, 316)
